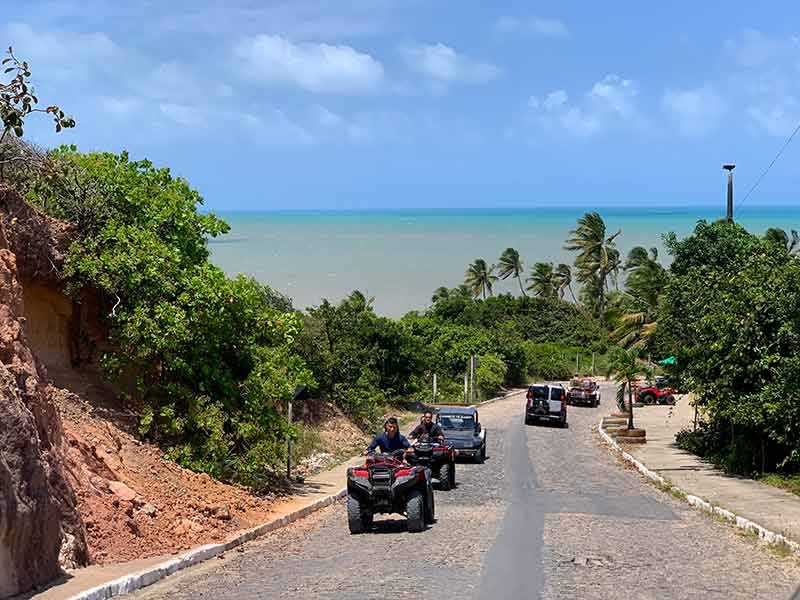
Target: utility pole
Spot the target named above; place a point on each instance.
(434, 388)
(729, 169)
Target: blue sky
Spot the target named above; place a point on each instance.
(413, 103)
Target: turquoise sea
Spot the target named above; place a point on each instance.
(400, 257)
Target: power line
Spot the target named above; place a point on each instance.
(777, 156)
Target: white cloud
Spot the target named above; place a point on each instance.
(318, 68)
(754, 49)
(555, 100)
(778, 119)
(445, 66)
(695, 111)
(532, 25)
(609, 104)
(62, 56)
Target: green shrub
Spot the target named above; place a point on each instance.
(490, 374)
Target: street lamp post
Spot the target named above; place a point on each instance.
(729, 169)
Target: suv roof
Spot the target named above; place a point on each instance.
(552, 385)
(457, 410)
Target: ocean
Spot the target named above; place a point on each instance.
(400, 257)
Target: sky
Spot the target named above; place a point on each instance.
(376, 104)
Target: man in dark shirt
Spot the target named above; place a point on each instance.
(427, 428)
(391, 439)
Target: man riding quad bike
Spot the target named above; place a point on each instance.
(386, 483)
(431, 450)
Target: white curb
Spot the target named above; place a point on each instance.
(764, 534)
(130, 583)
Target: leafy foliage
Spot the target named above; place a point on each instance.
(731, 315)
(210, 359)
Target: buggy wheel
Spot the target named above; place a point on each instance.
(481, 456)
(358, 520)
(415, 511)
(446, 477)
(528, 420)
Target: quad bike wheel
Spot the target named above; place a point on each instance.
(668, 399)
(415, 511)
(446, 477)
(648, 399)
(358, 520)
(430, 509)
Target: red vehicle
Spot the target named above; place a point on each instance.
(583, 391)
(652, 394)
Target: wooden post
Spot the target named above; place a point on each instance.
(289, 446)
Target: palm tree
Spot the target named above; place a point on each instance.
(643, 287)
(479, 278)
(598, 256)
(625, 369)
(511, 264)
(441, 293)
(542, 280)
(563, 280)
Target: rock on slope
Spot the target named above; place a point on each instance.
(39, 519)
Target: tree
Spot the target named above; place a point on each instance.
(563, 280)
(625, 369)
(17, 101)
(644, 285)
(479, 278)
(441, 293)
(542, 280)
(779, 236)
(510, 264)
(731, 316)
(598, 258)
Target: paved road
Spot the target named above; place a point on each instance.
(550, 515)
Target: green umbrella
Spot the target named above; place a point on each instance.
(670, 360)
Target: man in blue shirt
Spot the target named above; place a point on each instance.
(391, 439)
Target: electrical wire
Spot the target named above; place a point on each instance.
(777, 156)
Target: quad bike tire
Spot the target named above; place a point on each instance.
(430, 509)
(446, 477)
(358, 519)
(648, 399)
(669, 399)
(528, 420)
(415, 511)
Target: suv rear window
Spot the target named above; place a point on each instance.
(539, 391)
(555, 393)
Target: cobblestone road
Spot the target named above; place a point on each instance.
(551, 514)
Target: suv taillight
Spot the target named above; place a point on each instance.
(529, 395)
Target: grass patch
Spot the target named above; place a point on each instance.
(790, 483)
(669, 488)
(780, 549)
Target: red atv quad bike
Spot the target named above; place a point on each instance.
(655, 395)
(439, 457)
(387, 484)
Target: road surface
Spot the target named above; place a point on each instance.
(551, 514)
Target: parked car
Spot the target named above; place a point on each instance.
(463, 431)
(546, 402)
(585, 392)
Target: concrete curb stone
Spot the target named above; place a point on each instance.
(764, 534)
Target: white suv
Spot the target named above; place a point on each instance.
(546, 402)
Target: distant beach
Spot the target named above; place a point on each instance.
(400, 257)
